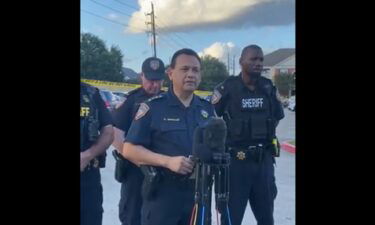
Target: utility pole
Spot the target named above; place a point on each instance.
(153, 26)
(228, 62)
(234, 66)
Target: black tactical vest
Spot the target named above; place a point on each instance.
(89, 120)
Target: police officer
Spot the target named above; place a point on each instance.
(131, 177)
(161, 135)
(96, 137)
(251, 109)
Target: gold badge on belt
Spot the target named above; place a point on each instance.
(241, 155)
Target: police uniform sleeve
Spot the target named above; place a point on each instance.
(123, 115)
(140, 128)
(104, 115)
(219, 99)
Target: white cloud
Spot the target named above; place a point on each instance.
(187, 15)
(220, 51)
(112, 16)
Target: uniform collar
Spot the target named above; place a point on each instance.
(243, 85)
(142, 92)
(173, 100)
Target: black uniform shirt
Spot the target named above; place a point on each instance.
(164, 125)
(104, 116)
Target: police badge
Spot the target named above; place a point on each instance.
(154, 64)
(204, 114)
(241, 155)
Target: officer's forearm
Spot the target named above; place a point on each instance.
(118, 138)
(104, 141)
(142, 156)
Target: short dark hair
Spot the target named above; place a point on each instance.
(186, 51)
(255, 47)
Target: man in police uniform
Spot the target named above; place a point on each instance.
(161, 135)
(131, 177)
(251, 109)
(96, 137)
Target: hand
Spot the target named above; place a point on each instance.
(86, 157)
(181, 165)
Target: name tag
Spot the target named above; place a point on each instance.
(172, 119)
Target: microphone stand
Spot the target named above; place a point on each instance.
(205, 175)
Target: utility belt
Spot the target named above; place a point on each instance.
(122, 167)
(254, 153)
(154, 177)
(169, 176)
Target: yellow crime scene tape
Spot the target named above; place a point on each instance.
(122, 86)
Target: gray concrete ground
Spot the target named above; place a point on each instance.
(285, 179)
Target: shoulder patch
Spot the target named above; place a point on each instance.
(215, 97)
(143, 109)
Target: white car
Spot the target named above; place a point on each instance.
(292, 103)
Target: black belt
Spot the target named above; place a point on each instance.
(253, 152)
(172, 177)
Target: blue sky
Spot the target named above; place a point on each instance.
(210, 27)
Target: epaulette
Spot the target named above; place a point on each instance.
(155, 97)
(133, 91)
(227, 81)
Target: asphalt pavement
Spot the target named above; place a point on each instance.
(285, 179)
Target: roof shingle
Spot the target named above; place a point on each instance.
(277, 56)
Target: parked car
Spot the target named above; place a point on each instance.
(121, 94)
(284, 101)
(292, 103)
(109, 99)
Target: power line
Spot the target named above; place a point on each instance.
(113, 21)
(168, 43)
(176, 35)
(170, 37)
(172, 41)
(130, 6)
(105, 6)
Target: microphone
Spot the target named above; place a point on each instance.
(209, 138)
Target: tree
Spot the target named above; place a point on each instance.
(99, 63)
(284, 82)
(213, 72)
